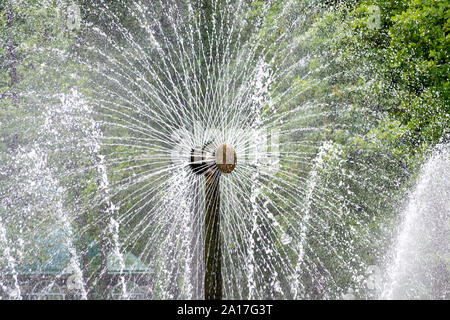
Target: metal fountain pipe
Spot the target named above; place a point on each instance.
(213, 250)
(212, 163)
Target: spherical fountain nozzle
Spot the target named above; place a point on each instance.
(225, 157)
(206, 158)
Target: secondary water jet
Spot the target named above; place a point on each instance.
(212, 162)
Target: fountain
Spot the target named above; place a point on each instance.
(419, 265)
(195, 150)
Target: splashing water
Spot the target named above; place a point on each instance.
(421, 266)
(103, 204)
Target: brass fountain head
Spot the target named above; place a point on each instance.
(203, 159)
(225, 158)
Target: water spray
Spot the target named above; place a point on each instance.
(212, 162)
